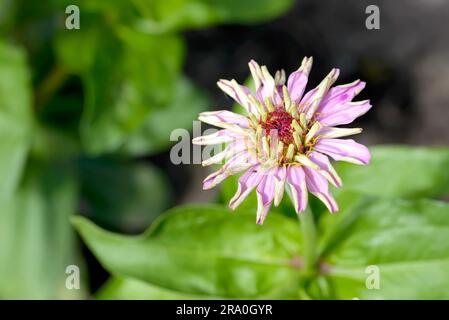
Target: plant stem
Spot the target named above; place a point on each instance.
(309, 239)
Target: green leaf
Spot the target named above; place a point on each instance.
(132, 289)
(400, 171)
(205, 251)
(407, 240)
(154, 136)
(15, 116)
(36, 238)
(169, 15)
(123, 196)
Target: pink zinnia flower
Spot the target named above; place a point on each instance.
(286, 137)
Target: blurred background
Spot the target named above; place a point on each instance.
(86, 114)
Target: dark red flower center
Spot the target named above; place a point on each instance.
(279, 120)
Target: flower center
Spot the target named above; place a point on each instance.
(279, 120)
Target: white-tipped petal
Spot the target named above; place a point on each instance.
(312, 132)
(332, 132)
(305, 161)
(297, 187)
(221, 136)
(279, 181)
(218, 118)
(247, 182)
(312, 100)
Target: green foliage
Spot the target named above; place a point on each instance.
(15, 116)
(131, 66)
(205, 251)
(36, 239)
(163, 15)
(400, 171)
(131, 289)
(187, 102)
(122, 86)
(407, 240)
(123, 196)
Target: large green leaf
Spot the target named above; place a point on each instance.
(407, 240)
(36, 238)
(15, 116)
(133, 289)
(205, 251)
(123, 196)
(400, 171)
(154, 136)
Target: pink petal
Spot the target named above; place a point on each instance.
(279, 178)
(297, 183)
(224, 116)
(236, 164)
(265, 84)
(265, 195)
(319, 187)
(344, 150)
(296, 85)
(297, 81)
(273, 93)
(262, 211)
(342, 94)
(247, 182)
(326, 168)
(336, 107)
(340, 114)
(312, 99)
(256, 73)
(239, 93)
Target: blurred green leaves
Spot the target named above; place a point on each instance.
(125, 78)
(153, 137)
(204, 251)
(123, 196)
(169, 15)
(15, 116)
(130, 59)
(36, 239)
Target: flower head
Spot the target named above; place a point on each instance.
(286, 138)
